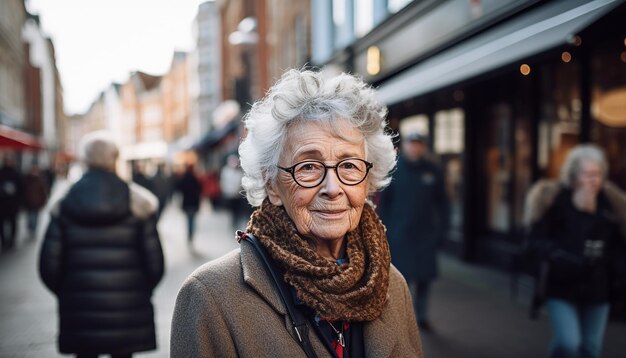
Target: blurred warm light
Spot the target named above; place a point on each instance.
(373, 60)
(623, 56)
(576, 40)
(610, 108)
(524, 69)
(566, 57)
(624, 41)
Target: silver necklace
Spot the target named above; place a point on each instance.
(340, 338)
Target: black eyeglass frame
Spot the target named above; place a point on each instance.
(291, 170)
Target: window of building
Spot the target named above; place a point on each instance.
(449, 145)
(397, 5)
(498, 165)
(608, 105)
(363, 17)
(343, 22)
(559, 125)
(152, 115)
(449, 131)
(152, 134)
(416, 123)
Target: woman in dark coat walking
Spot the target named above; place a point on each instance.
(102, 258)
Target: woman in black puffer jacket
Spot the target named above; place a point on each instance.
(102, 258)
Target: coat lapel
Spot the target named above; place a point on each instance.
(256, 276)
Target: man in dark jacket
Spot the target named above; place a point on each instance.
(160, 186)
(35, 197)
(102, 258)
(414, 208)
(10, 199)
(190, 188)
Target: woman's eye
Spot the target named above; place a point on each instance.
(348, 165)
(308, 166)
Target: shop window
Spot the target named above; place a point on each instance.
(498, 168)
(559, 125)
(449, 133)
(609, 107)
(417, 123)
(523, 167)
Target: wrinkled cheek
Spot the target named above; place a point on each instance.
(355, 217)
(303, 221)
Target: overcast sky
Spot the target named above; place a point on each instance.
(101, 41)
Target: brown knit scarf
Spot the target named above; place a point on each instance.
(352, 291)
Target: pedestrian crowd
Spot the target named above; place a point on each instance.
(20, 191)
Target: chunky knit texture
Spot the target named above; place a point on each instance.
(352, 291)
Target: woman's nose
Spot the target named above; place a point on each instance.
(331, 185)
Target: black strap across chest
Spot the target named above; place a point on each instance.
(298, 320)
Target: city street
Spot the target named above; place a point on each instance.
(472, 313)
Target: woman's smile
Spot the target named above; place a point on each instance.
(331, 214)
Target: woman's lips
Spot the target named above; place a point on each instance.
(331, 214)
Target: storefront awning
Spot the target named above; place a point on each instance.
(538, 30)
(212, 138)
(17, 140)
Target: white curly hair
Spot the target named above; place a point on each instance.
(98, 150)
(309, 96)
(571, 166)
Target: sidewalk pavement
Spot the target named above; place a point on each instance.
(471, 311)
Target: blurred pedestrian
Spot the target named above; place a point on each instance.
(102, 258)
(35, 197)
(11, 191)
(160, 183)
(230, 185)
(315, 255)
(414, 208)
(189, 186)
(211, 188)
(574, 232)
(140, 177)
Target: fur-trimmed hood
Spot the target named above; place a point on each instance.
(543, 193)
(140, 202)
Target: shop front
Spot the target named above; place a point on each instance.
(504, 104)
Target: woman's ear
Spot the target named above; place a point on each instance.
(272, 194)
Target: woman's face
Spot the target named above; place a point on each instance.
(330, 210)
(589, 175)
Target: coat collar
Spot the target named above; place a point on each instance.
(378, 335)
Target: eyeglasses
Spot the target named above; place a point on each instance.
(311, 173)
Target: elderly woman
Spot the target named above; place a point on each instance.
(314, 151)
(102, 258)
(575, 234)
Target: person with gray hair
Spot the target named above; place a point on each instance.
(314, 253)
(576, 231)
(102, 258)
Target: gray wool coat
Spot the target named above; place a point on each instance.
(229, 307)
